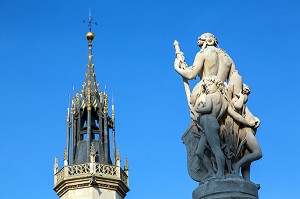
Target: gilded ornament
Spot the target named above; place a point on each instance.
(90, 35)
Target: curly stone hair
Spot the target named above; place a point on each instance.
(210, 39)
(214, 79)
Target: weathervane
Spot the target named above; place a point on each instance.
(90, 21)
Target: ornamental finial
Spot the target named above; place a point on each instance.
(105, 111)
(118, 158)
(92, 152)
(126, 167)
(66, 158)
(90, 35)
(55, 165)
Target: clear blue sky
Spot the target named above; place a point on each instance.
(44, 54)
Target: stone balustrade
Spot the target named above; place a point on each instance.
(90, 169)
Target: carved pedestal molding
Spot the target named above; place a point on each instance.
(228, 188)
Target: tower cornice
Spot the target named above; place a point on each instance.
(91, 175)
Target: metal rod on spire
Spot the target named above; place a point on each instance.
(88, 122)
(112, 108)
(106, 130)
(90, 36)
(113, 128)
(72, 126)
(90, 21)
(68, 128)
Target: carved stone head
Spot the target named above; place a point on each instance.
(207, 39)
(211, 84)
(246, 89)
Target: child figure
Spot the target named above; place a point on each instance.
(253, 151)
(210, 111)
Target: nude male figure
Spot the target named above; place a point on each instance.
(209, 61)
(210, 110)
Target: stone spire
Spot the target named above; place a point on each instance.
(87, 156)
(91, 122)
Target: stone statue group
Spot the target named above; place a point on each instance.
(220, 140)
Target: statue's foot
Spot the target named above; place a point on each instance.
(209, 175)
(236, 169)
(219, 176)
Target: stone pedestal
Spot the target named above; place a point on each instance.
(228, 188)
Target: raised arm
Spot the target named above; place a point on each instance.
(249, 116)
(192, 71)
(240, 118)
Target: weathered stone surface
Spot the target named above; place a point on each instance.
(91, 192)
(100, 177)
(228, 188)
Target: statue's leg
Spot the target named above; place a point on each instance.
(253, 148)
(201, 155)
(246, 171)
(213, 129)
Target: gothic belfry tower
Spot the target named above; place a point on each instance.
(89, 172)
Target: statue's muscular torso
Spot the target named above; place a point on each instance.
(215, 62)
